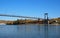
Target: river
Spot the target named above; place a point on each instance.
(30, 31)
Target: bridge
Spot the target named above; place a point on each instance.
(45, 17)
(20, 16)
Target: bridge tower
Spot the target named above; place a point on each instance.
(46, 18)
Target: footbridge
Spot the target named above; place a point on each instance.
(45, 20)
(20, 16)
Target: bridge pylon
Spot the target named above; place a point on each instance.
(46, 18)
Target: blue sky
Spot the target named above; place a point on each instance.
(33, 8)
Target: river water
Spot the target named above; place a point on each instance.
(30, 31)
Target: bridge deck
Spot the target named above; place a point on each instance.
(19, 16)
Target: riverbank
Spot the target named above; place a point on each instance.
(54, 21)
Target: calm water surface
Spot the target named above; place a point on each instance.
(30, 31)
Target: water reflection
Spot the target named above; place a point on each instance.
(46, 30)
(54, 31)
(30, 31)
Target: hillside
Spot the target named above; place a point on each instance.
(54, 20)
(4, 21)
